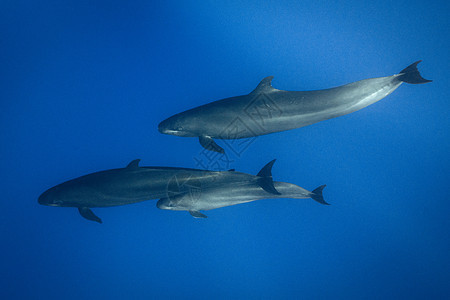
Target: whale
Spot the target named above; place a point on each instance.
(134, 184)
(268, 110)
(237, 188)
(115, 187)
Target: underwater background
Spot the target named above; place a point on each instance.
(84, 85)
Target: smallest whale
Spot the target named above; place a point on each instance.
(235, 188)
(267, 110)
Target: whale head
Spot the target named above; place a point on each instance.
(176, 202)
(52, 197)
(67, 194)
(179, 125)
(168, 204)
(164, 203)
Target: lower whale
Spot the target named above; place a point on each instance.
(236, 188)
(267, 110)
(134, 184)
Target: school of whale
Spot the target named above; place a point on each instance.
(194, 190)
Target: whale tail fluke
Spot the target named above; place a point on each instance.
(317, 195)
(411, 74)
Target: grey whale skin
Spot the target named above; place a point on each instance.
(136, 184)
(231, 188)
(232, 118)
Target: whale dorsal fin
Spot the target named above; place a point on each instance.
(266, 171)
(265, 179)
(265, 86)
(133, 164)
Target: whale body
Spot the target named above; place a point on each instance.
(237, 188)
(267, 110)
(236, 193)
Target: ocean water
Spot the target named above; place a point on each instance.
(84, 85)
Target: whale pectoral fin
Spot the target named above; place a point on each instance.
(208, 143)
(87, 213)
(196, 214)
(266, 181)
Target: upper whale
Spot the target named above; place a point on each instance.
(267, 110)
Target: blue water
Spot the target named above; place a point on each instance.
(84, 85)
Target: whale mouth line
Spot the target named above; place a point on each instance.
(55, 203)
(170, 131)
(177, 132)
